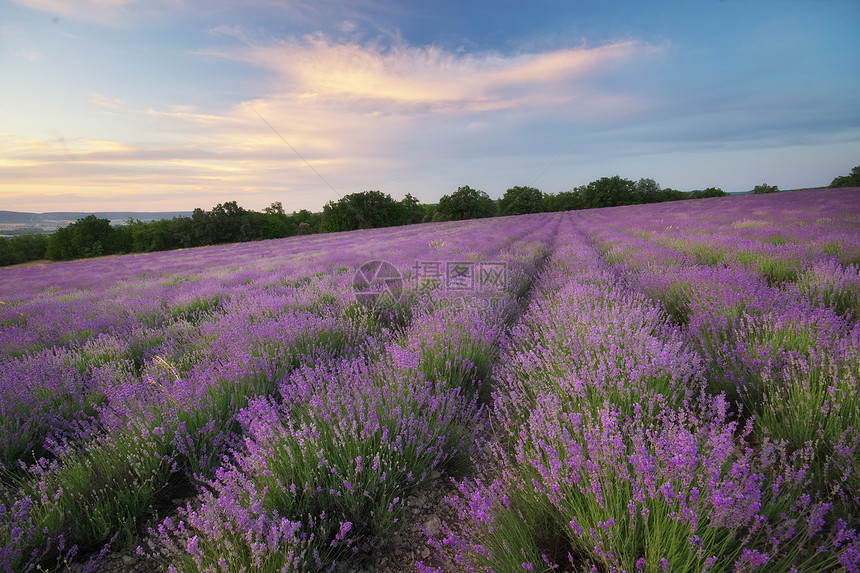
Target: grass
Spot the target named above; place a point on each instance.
(816, 407)
(778, 270)
(197, 309)
(93, 496)
(629, 507)
(458, 362)
(834, 288)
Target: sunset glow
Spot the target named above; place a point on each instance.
(139, 105)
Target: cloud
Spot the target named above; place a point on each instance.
(30, 55)
(233, 31)
(346, 27)
(319, 71)
(364, 116)
(367, 115)
(104, 101)
(38, 175)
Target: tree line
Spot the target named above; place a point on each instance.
(230, 223)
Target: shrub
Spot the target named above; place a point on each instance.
(852, 180)
(765, 188)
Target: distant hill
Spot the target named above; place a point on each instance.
(16, 220)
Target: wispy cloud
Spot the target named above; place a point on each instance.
(364, 115)
(31, 55)
(103, 174)
(104, 101)
(318, 70)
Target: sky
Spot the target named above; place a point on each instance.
(166, 105)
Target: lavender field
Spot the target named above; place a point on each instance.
(667, 387)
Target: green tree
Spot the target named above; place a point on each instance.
(521, 200)
(411, 209)
(276, 224)
(307, 222)
(564, 201)
(151, 236)
(852, 180)
(430, 211)
(202, 229)
(467, 203)
(122, 240)
(364, 210)
(8, 254)
(648, 191)
(180, 232)
(609, 192)
(765, 188)
(707, 193)
(669, 194)
(23, 248)
(340, 215)
(86, 237)
(275, 208)
(227, 223)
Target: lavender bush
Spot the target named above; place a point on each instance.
(665, 387)
(741, 459)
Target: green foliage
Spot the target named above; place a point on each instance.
(765, 188)
(675, 299)
(467, 203)
(231, 223)
(613, 191)
(817, 406)
(225, 223)
(563, 201)
(521, 200)
(648, 191)
(109, 488)
(368, 210)
(829, 291)
(707, 193)
(412, 211)
(228, 222)
(669, 194)
(852, 180)
(86, 237)
(23, 248)
(609, 192)
(276, 226)
(429, 212)
(306, 222)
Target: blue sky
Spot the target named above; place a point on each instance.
(163, 104)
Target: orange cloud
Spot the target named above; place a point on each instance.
(364, 117)
(317, 70)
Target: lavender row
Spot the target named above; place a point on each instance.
(116, 295)
(325, 469)
(173, 408)
(614, 457)
(786, 352)
(262, 285)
